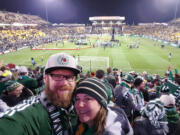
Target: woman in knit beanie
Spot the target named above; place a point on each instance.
(14, 93)
(94, 115)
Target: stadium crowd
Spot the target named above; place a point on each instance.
(31, 37)
(22, 30)
(150, 103)
(10, 17)
(159, 31)
(109, 102)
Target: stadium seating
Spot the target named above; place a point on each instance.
(41, 31)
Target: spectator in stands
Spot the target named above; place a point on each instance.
(152, 120)
(165, 90)
(109, 71)
(94, 115)
(111, 80)
(157, 87)
(109, 89)
(15, 93)
(139, 98)
(15, 74)
(51, 112)
(124, 99)
(6, 73)
(38, 75)
(100, 74)
(172, 115)
(27, 81)
(128, 81)
(116, 75)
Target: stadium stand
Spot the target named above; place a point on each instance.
(18, 30)
(10, 18)
(126, 89)
(168, 32)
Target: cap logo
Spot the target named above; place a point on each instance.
(62, 60)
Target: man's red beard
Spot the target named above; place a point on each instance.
(60, 100)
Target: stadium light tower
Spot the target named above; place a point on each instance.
(165, 5)
(46, 10)
(176, 9)
(46, 7)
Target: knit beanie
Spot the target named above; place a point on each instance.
(94, 88)
(128, 78)
(11, 85)
(155, 112)
(168, 100)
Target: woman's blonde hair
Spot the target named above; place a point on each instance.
(100, 121)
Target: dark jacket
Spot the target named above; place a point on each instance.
(142, 126)
(124, 100)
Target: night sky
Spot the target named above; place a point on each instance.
(79, 11)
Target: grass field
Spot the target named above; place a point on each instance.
(149, 57)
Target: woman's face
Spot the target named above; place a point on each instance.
(17, 92)
(87, 108)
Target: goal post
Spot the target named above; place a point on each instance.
(92, 63)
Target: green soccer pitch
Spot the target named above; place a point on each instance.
(148, 57)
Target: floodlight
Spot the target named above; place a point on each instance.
(164, 6)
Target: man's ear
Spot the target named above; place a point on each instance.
(45, 78)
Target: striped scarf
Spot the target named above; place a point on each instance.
(84, 130)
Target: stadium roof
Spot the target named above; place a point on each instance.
(107, 18)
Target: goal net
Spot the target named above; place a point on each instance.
(92, 63)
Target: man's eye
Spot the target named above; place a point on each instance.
(77, 99)
(88, 99)
(58, 76)
(69, 77)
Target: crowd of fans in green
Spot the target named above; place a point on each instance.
(150, 102)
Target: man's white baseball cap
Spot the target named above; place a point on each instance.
(61, 61)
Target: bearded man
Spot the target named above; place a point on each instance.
(51, 112)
